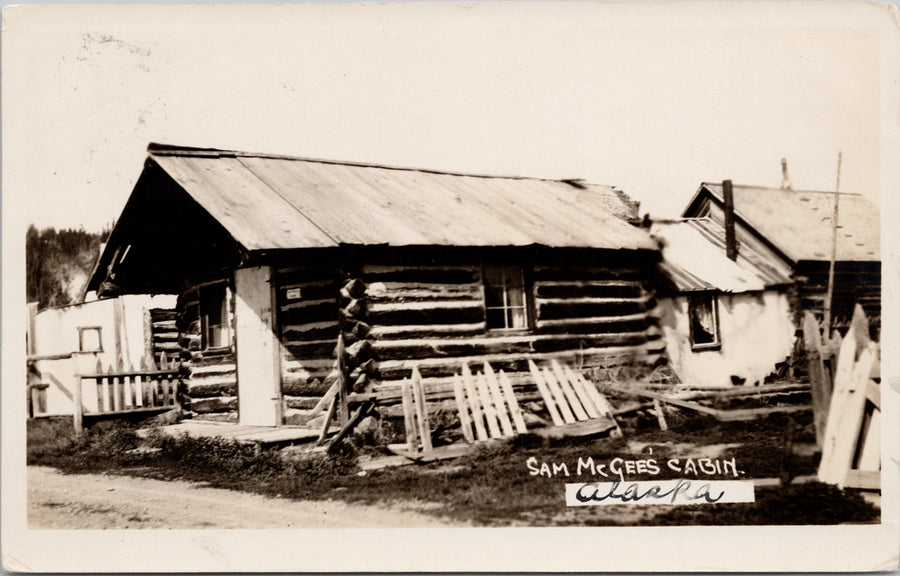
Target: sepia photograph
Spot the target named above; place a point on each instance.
(450, 286)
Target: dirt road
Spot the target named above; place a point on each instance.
(95, 501)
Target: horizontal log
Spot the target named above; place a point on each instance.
(321, 311)
(216, 404)
(397, 369)
(425, 330)
(305, 303)
(325, 292)
(310, 349)
(305, 387)
(436, 312)
(220, 387)
(524, 344)
(424, 274)
(309, 331)
(213, 369)
(163, 325)
(413, 291)
(165, 337)
(597, 324)
(304, 403)
(591, 289)
(166, 346)
(199, 359)
(590, 307)
(162, 314)
(584, 273)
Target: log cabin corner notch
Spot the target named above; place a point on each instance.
(274, 257)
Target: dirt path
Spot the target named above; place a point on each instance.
(56, 500)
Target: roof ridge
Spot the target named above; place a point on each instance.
(773, 189)
(158, 149)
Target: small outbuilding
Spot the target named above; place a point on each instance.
(275, 257)
(724, 322)
(797, 227)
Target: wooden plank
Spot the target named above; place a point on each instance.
(602, 404)
(409, 419)
(569, 391)
(870, 452)
(753, 413)
(514, 409)
(494, 387)
(873, 393)
(849, 401)
(364, 410)
(441, 453)
(820, 380)
(559, 397)
(341, 365)
(487, 404)
(329, 416)
(635, 391)
(164, 385)
(592, 427)
(325, 401)
(660, 417)
(583, 395)
(549, 402)
(863, 480)
(422, 411)
(474, 403)
(258, 355)
(78, 418)
(462, 407)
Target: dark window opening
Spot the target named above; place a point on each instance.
(704, 318)
(215, 329)
(89, 339)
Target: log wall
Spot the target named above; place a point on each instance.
(308, 323)
(209, 379)
(433, 318)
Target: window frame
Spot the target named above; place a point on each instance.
(713, 299)
(527, 299)
(82, 330)
(202, 296)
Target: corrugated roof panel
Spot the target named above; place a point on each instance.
(269, 202)
(799, 223)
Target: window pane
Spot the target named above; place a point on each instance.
(517, 318)
(495, 318)
(515, 297)
(214, 316)
(493, 296)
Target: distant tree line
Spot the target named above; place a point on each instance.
(58, 264)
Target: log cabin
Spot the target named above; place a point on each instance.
(275, 257)
(796, 228)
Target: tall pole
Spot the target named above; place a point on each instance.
(829, 296)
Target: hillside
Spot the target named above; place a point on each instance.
(58, 264)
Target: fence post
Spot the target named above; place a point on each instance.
(79, 409)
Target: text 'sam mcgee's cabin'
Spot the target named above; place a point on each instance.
(274, 258)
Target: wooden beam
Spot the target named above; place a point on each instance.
(462, 407)
(474, 403)
(502, 413)
(549, 402)
(513, 403)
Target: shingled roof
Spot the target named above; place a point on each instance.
(799, 223)
(268, 202)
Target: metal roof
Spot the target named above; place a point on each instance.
(274, 202)
(694, 259)
(799, 223)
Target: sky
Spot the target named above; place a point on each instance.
(652, 98)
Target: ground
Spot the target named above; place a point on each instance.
(111, 479)
(94, 501)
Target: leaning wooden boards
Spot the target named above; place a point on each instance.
(487, 405)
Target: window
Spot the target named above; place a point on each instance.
(704, 318)
(89, 339)
(504, 298)
(215, 329)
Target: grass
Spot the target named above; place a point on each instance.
(491, 486)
